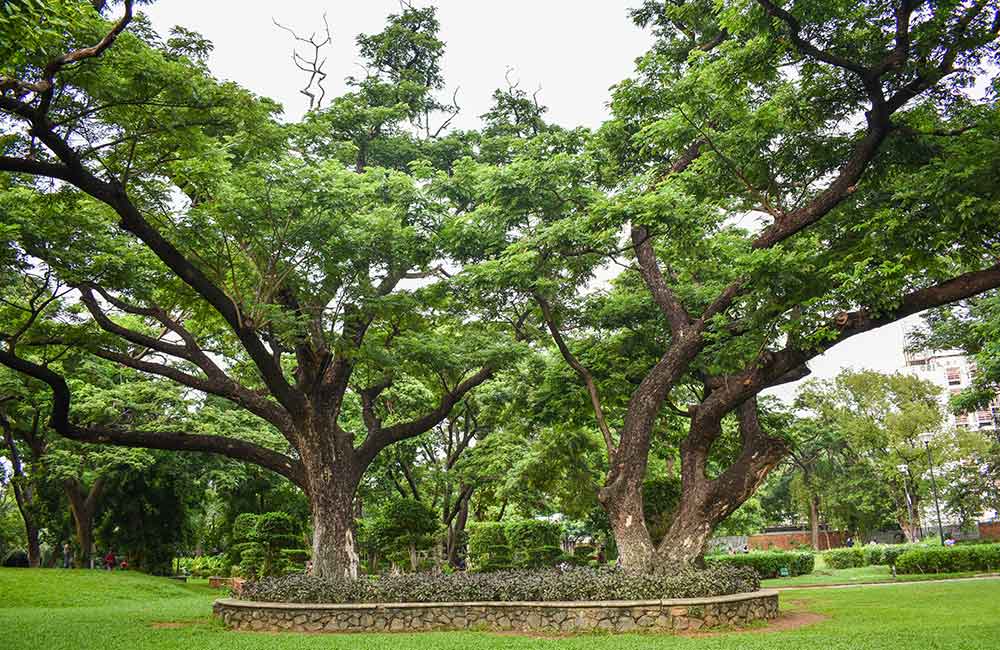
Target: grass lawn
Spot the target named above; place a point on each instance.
(79, 610)
(860, 575)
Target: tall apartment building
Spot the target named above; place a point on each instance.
(952, 370)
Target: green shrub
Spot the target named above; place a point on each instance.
(204, 566)
(537, 557)
(260, 542)
(488, 548)
(870, 555)
(516, 544)
(874, 555)
(845, 558)
(768, 564)
(548, 585)
(942, 559)
(245, 527)
(532, 533)
(892, 552)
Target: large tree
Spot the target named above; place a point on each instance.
(270, 265)
(787, 176)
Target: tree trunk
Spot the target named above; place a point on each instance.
(814, 520)
(34, 548)
(24, 496)
(624, 508)
(704, 502)
(83, 506)
(685, 542)
(334, 554)
(456, 530)
(85, 537)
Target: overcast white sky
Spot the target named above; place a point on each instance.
(575, 51)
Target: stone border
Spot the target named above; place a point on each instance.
(575, 616)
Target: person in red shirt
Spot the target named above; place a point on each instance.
(109, 561)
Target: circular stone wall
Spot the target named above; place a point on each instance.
(576, 616)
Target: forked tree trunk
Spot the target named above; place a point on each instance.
(704, 502)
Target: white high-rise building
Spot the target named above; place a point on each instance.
(953, 371)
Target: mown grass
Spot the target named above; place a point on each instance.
(68, 610)
(860, 575)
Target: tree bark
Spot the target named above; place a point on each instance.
(34, 548)
(331, 492)
(24, 497)
(83, 506)
(814, 520)
(624, 507)
(704, 502)
(457, 527)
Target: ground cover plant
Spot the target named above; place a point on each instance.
(570, 584)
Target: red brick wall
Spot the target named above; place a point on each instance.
(794, 540)
(989, 530)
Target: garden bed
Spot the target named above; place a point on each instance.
(680, 614)
(570, 600)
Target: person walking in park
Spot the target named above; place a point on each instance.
(67, 555)
(109, 560)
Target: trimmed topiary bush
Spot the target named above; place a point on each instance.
(506, 586)
(515, 544)
(768, 564)
(941, 559)
(260, 542)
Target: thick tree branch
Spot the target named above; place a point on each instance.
(649, 269)
(170, 440)
(113, 194)
(771, 368)
(374, 443)
(581, 371)
(215, 382)
(34, 167)
(760, 453)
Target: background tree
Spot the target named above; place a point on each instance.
(879, 421)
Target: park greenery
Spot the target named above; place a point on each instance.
(76, 610)
(364, 341)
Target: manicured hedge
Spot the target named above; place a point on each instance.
(942, 559)
(845, 558)
(573, 584)
(768, 564)
(870, 555)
